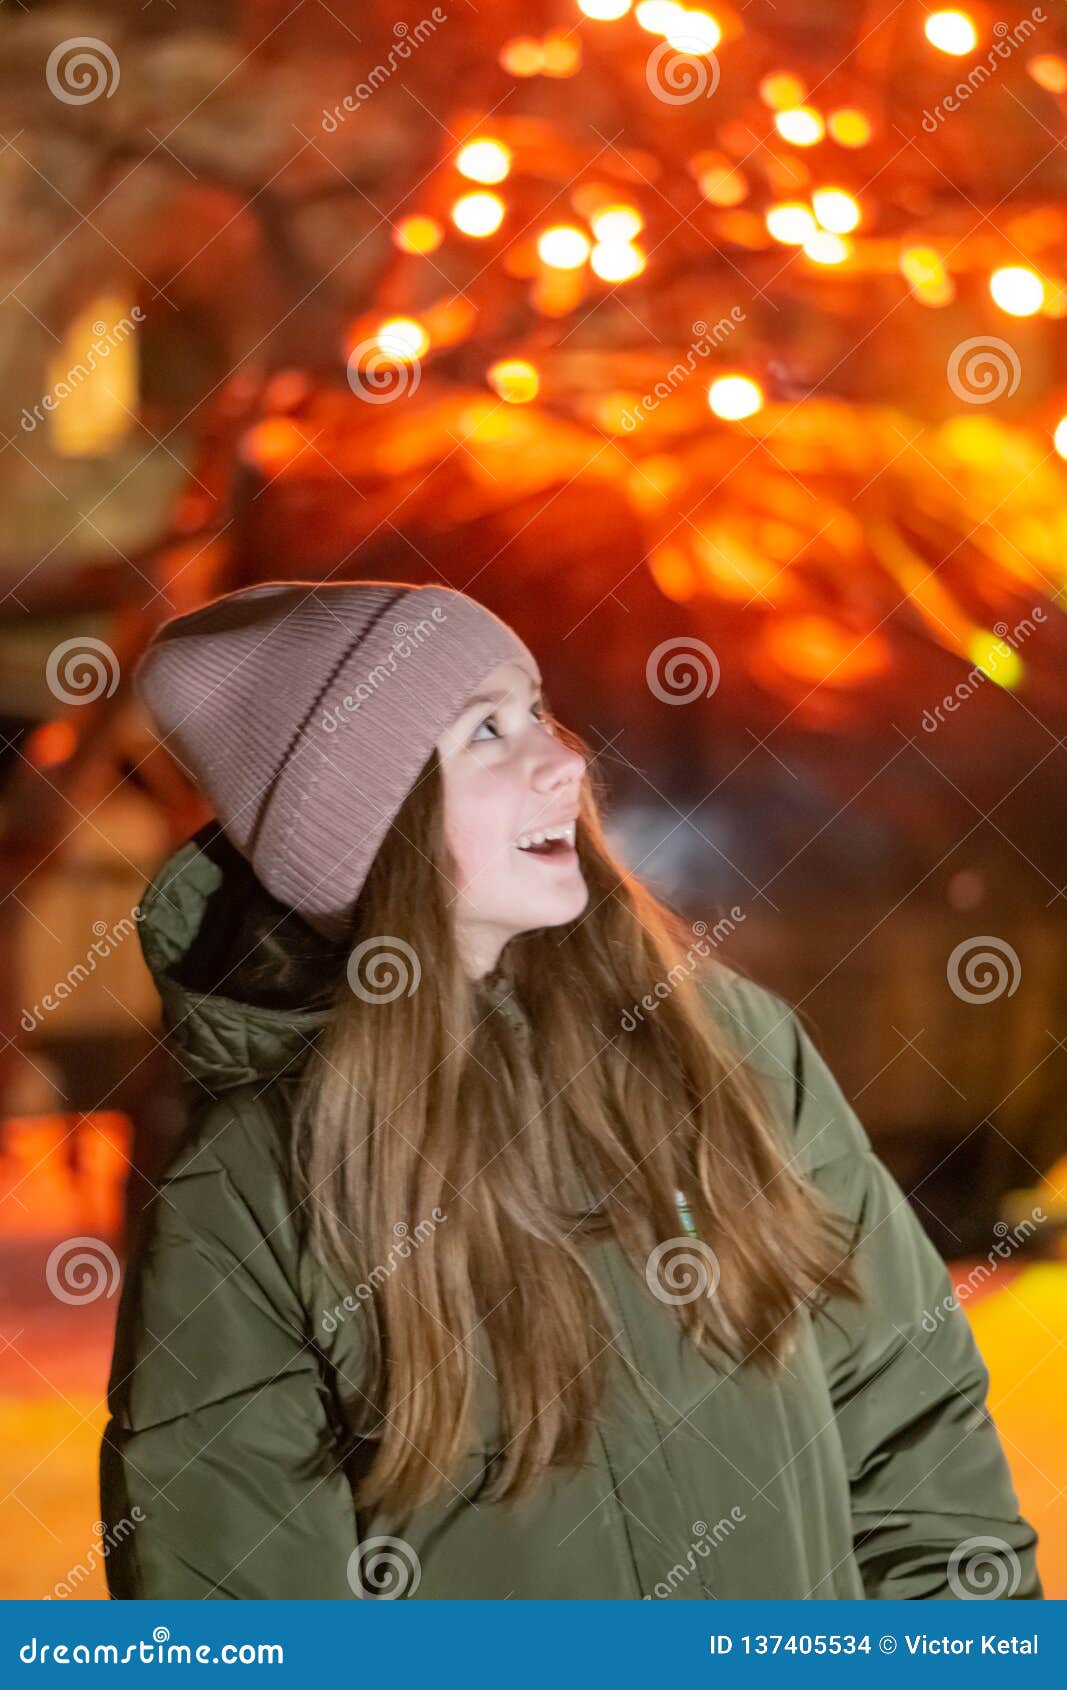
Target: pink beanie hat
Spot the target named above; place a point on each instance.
(305, 711)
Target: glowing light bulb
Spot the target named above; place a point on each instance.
(825, 248)
(780, 90)
(616, 223)
(616, 261)
(836, 210)
(561, 54)
(720, 181)
(484, 161)
(849, 126)
(734, 397)
(563, 247)
(657, 16)
(995, 658)
(522, 56)
(924, 270)
(801, 125)
(791, 223)
(1059, 438)
(418, 234)
(951, 32)
(478, 214)
(1049, 71)
(605, 10)
(695, 33)
(1018, 291)
(402, 338)
(514, 380)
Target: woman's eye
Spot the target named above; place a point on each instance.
(538, 711)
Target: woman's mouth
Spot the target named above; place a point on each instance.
(553, 844)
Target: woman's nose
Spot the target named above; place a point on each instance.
(561, 766)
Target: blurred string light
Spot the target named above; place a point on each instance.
(484, 161)
(402, 338)
(616, 223)
(802, 125)
(951, 32)
(781, 89)
(816, 649)
(849, 126)
(656, 15)
(924, 270)
(1049, 71)
(418, 234)
(734, 397)
(820, 221)
(792, 222)
(615, 258)
(836, 210)
(995, 658)
(616, 261)
(720, 180)
(478, 215)
(50, 744)
(1018, 291)
(563, 247)
(514, 380)
(694, 32)
(557, 54)
(687, 29)
(825, 248)
(605, 10)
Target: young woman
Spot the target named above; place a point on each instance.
(518, 1247)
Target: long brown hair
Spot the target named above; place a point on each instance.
(517, 1113)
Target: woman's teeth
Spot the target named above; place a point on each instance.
(547, 838)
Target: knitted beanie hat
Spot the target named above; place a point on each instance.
(305, 711)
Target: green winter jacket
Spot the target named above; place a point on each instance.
(870, 1468)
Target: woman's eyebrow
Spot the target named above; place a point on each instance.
(498, 697)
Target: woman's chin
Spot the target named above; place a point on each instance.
(564, 904)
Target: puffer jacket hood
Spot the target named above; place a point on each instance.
(192, 905)
(869, 1467)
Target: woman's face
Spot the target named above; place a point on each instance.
(507, 776)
